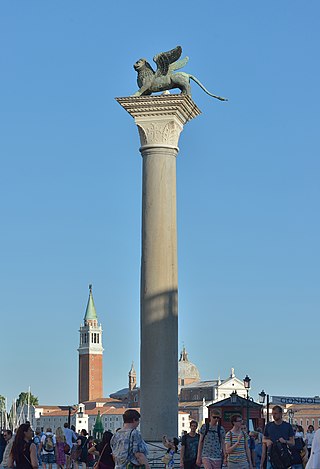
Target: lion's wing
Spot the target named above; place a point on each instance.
(179, 64)
(164, 59)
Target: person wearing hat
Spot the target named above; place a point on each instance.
(211, 449)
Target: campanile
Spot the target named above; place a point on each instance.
(90, 354)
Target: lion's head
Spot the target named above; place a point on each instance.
(145, 71)
(140, 64)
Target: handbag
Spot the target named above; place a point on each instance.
(66, 448)
(130, 465)
(166, 458)
(75, 453)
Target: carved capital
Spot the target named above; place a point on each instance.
(159, 131)
(160, 119)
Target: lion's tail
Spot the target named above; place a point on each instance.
(205, 89)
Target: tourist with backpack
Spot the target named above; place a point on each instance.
(47, 449)
(211, 449)
(278, 439)
(237, 448)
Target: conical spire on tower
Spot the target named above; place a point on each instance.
(91, 314)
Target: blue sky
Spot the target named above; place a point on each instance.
(247, 179)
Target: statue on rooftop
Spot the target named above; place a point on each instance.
(163, 79)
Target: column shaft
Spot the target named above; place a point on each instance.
(159, 295)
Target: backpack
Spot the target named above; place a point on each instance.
(48, 445)
(36, 440)
(280, 456)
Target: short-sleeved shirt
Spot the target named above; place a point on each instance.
(70, 436)
(212, 446)
(125, 443)
(309, 439)
(239, 453)
(43, 440)
(190, 444)
(274, 431)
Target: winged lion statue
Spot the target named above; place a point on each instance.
(163, 79)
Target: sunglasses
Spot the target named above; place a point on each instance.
(215, 417)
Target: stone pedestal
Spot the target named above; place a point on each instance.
(160, 119)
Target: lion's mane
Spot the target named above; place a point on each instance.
(145, 73)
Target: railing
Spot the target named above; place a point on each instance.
(156, 454)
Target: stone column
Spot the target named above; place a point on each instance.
(160, 119)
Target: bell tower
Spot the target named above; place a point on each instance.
(90, 354)
(132, 378)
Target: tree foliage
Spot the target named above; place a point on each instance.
(23, 399)
(2, 402)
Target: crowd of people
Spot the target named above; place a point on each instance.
(27, 449)
(281, 445)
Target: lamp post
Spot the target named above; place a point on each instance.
(69, 416)
(262, 398)
(246, 383)
(291, 415)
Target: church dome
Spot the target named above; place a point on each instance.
(187, 372)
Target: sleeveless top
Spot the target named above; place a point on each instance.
(24, 460)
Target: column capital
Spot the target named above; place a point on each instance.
(160, 119)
